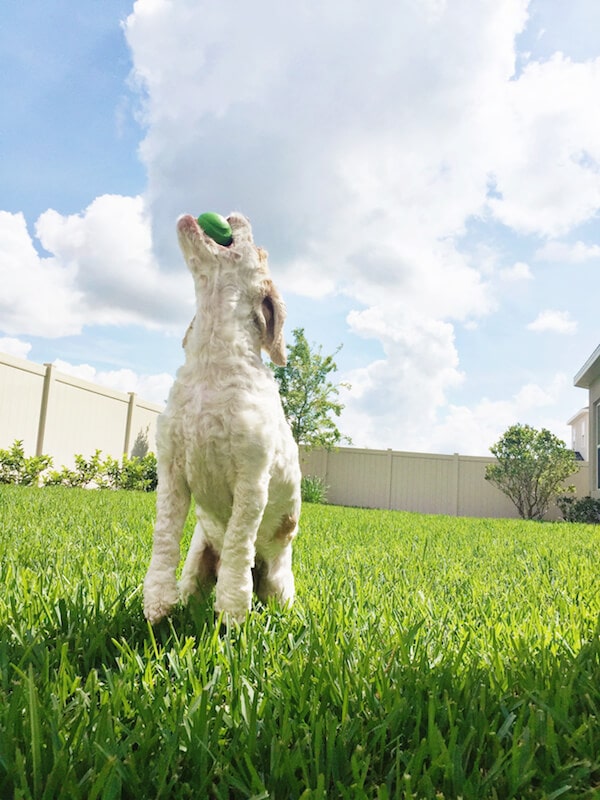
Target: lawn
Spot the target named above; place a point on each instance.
(426, 657)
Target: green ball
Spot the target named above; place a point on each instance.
(217, 227)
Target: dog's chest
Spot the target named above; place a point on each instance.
(209, 426)
(224, 429)
(207, 436)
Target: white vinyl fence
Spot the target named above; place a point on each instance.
(430, 484)
(59, 415)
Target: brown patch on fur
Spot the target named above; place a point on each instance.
(258, 572)
(287, 526)
(210, 562)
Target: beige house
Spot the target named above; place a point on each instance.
(588, 378)
(580, 428)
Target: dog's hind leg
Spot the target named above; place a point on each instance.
(172, 506)
(201, 566)
(276, 579)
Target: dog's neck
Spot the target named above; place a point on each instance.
(224, 332)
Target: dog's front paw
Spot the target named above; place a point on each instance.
(160, 597)
(233, 602)
(233, 611)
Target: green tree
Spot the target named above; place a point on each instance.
(530, 467)
(309, 396)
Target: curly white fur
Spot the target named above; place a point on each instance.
(223, 439)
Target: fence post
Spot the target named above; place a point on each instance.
(456, 484)
(130, 409)
(41, 431)
(390, 476)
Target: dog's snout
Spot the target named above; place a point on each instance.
(186, 222)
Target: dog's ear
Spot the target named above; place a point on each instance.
(271, 316)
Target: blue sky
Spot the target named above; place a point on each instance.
(426, 180)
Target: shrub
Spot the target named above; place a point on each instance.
(137, 472)
(530, 467)
(582, 509)
(313, 489)
(129, 473)
(16, 468)
(86, 472)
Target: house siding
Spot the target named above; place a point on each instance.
(588, 378)
(580, 431)
(595, 438)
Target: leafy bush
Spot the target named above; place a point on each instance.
(313, 489)
(582, 509)
(86, 472)
(530, 467)
(130, 473)
(137, 472)
(16, 468)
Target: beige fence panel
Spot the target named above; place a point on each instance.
(361, 479)
(478, 497)
(142, 427)
(83, 417)
(60, 415)
(427, 483)
(21, 387)
(424, 483)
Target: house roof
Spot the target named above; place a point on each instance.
(589, 372)
(584, 412)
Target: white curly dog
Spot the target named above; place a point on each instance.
(223, 439)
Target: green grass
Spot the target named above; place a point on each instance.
(426, 657)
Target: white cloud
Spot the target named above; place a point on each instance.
(355, 147)
(547, 147)
(38, 295)
(14, 347)
(393, 401)
(478, 427)
(518, 272)
(99, 269)
(568, 253)
(306, 278)
(108, 250)
(553, 321)
(362, 145)
(153, 388)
